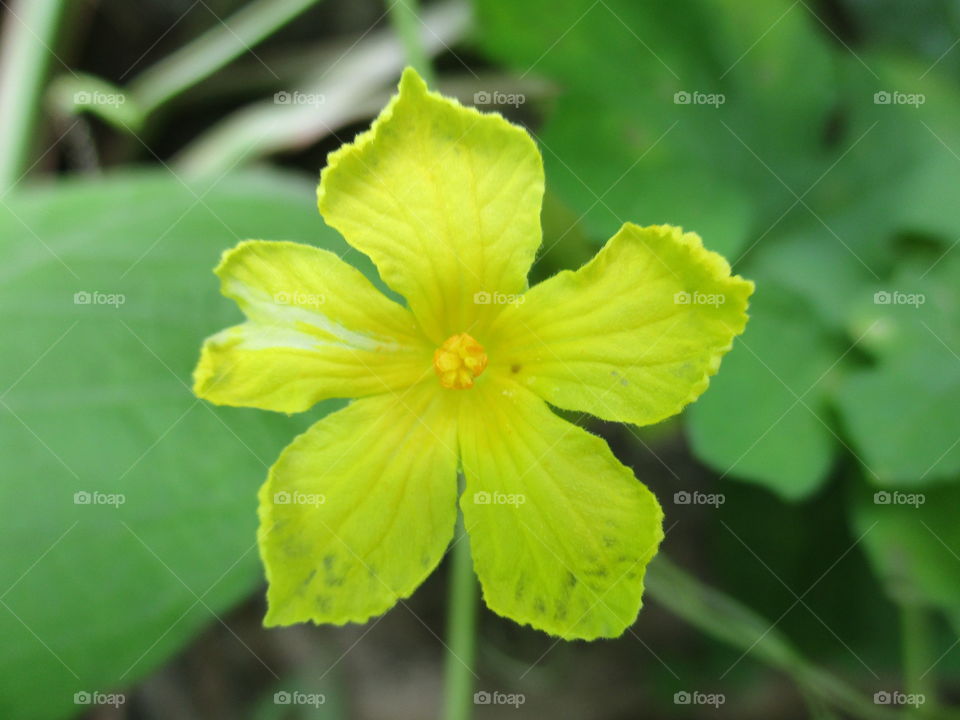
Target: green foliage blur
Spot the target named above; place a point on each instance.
(815, 145)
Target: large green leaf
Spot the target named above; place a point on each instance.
(902, 413)
(812, 263)
(628, 138)
(96, 399)
(903, 419)
(763, 417)
(898, 159)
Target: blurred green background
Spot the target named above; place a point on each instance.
(812, 495)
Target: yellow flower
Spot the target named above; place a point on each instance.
(359, 509)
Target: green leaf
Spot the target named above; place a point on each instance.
(900, 158)
(812, 263)
(903, 420)
(762, 418)
(913, 541)
(625, 146)
(591, 158)
(892, 186)
(902, 412)
(108, 291)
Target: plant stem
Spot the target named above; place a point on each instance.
(406, 21)
(353, 89)
(29, 33)
(217, 47)
(915, 633)
(726, 619)
(461, 629)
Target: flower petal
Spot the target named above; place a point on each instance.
(359, 509)
(560, 531)
(444, 199)
(632, 336)
(316, 329)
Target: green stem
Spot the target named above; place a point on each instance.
(818, 709)
(214, 49)
(29, 32)
(461, 630)
(915, 633)
(70, 95)
(725, 619)
(406, 21)
(353, 90)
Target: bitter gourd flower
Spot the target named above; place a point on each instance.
(359, 510)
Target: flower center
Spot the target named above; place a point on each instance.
(458, 361)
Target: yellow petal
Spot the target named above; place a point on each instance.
(560, 531)
(316, 329)
(358, 510)
(444, 199)
(632, 336)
